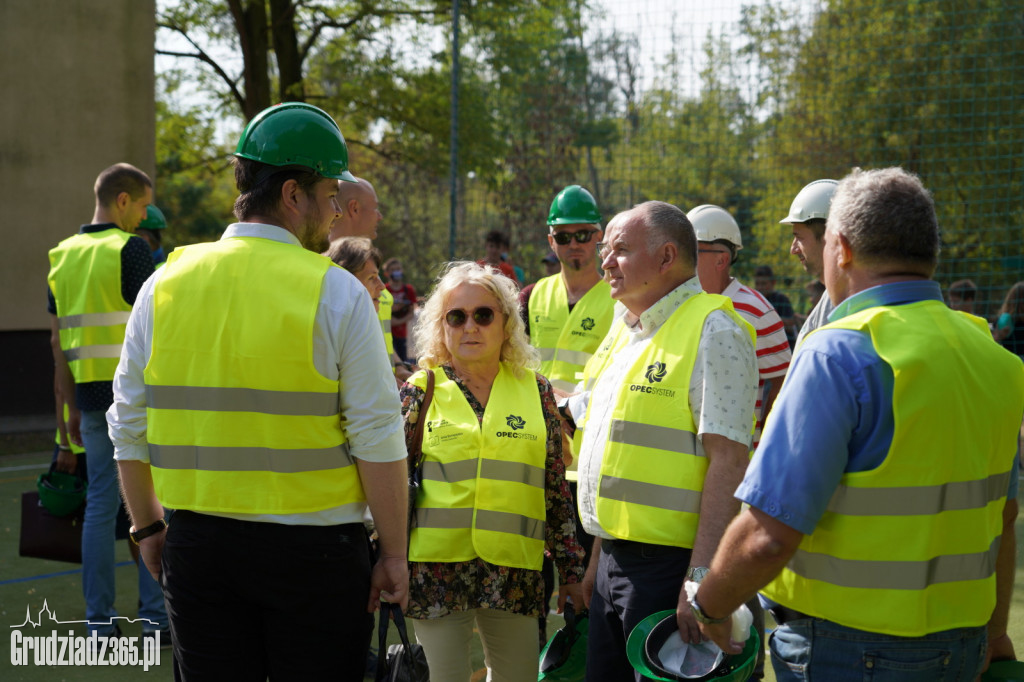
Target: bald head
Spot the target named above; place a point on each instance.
(359, 211)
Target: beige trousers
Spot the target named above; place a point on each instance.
(509, 641)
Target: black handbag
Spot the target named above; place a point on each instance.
(45, 536)
(416, 454)
(404, 662)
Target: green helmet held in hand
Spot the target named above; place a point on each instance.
(154, 219)
(296, 134)
(574, 206)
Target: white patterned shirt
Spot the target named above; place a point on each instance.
(723, 387)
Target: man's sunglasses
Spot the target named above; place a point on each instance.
(456, 317)
(582, 236)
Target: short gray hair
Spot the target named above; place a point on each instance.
(888, 217)
(668, 223)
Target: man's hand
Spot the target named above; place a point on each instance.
(721, 634)
(689, 630)
(389, 582)
(67, 461)
(573, 591)
(74, 425)
(151, 549)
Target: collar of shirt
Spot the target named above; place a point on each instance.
(897, 293)
(263, 231)
(95, 227)
(655, 316)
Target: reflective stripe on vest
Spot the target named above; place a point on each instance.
(909, 548)
(653, 466)
(565, 339)
(385, 304)
(85, 278)
(239, 420)
(483, 482)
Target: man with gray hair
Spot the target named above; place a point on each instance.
(880, 528)
(666, 420)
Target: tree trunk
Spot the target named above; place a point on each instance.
(286, 48)
(250, 17)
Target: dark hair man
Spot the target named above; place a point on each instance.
(255, 398)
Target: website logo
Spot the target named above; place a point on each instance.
(587, 324)
(30, 648)
(655, 372)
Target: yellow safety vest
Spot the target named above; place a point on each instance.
(653, 466)
(909, 548)
(387, 301)
(566, 340)
(483, 483)
(85, 278)
(239, 420)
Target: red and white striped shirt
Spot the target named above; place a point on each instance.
(773, 353)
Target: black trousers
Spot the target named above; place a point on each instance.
(634, 580)
(252, 601)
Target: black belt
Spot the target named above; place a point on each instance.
(641, 548)
(783, 614)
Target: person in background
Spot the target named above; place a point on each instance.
(94, 279)
(1010, 324)
(552, 266)
(496, 245)
(494, 494)
(764, 282)
(403, 307)
(359, 256)
(807, 216)
(963, 295)
(151, 228)
(880, 530)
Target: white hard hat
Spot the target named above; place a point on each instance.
(712, 223)
(812, 202)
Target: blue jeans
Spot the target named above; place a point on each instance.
(815, 649)
(103, 499)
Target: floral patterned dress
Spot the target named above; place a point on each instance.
(437, 589)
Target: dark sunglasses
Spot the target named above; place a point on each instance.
(457, 317)
(582, 236)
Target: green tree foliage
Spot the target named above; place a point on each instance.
(932, 86)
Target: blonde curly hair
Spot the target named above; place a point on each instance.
(516, 351)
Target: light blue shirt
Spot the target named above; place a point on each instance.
(834, 415)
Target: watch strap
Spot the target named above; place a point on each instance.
(152, 529)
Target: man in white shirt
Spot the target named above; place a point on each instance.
(242, 361)
(666, 415)
(718, 244)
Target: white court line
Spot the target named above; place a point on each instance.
(25, 467)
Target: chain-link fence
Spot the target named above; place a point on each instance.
(742, 105)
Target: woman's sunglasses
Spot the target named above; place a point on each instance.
(457, 317)
(582, 236)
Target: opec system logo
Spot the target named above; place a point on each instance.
(517, 424)
(654, 374)
(587, 323)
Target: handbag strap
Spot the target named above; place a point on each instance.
(417, 437)
(387, 612)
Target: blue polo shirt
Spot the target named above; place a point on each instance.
(834, 415)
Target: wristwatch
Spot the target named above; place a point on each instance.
(697, 573)
(143, 533)
(702, 617)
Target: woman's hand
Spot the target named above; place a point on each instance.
(572, 591)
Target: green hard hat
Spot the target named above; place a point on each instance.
(154, 219)
(296, 134)
(650, 634)
(60, 493)
(574, 206)
(564, 658)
